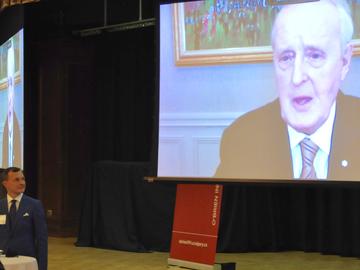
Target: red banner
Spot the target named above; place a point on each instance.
(196, 223)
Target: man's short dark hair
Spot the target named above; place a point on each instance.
(5, 173)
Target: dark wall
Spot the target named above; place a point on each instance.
(87, 99)
(12, 18)
(58, 17)
(124, 101)
(65, 85)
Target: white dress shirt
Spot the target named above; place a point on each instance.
(322, 138)
(18, 199)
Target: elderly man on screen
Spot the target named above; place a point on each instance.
(312, 131)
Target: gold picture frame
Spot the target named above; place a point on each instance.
(233, 54)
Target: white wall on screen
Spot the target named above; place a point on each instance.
(204, 159)
(171, 155)
(189, 143)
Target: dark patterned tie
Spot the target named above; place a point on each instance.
(12, 214)
(308, 153)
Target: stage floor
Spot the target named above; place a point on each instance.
(64, 255)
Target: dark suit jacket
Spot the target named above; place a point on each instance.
(256, 145)
(29, 234)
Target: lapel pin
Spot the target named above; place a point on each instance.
(344, 163)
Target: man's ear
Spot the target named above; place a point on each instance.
(346, 58)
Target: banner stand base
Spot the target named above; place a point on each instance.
(227, 266)
(176, 264)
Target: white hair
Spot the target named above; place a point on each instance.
(345, 19)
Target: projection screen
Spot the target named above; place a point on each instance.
(233, 106)
(11, 101)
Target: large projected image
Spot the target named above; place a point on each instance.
(11, 102)
(227, 110)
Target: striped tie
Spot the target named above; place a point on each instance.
(308, 153)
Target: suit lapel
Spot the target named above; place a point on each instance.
(20, 212)
(343, 164)
(284, 153)
(279, 146)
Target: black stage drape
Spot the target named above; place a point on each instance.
(315, 218)
(122, 211)
(124, 99)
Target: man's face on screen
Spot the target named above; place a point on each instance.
(309, 63)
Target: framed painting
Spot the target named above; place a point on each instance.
(214, 32)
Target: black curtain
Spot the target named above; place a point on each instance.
(124, 99)
(122, 211)
(315, 218)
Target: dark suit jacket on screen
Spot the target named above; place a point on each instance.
(256, 145)
(29, 235)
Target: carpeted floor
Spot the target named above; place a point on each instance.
(63, 255)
